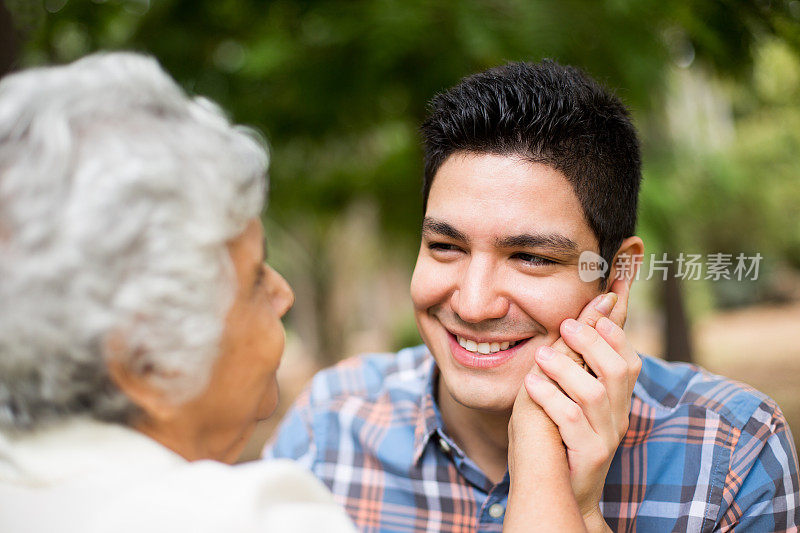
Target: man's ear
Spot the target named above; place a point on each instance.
(136, 385)
(627, 260)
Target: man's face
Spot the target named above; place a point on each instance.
(497, 272)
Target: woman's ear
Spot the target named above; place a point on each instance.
(136, 385)
(627, 260)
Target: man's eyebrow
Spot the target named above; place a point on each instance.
(432, 225)
(552, 241)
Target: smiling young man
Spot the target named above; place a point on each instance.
(527, 167)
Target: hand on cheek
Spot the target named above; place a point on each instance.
(590, 411)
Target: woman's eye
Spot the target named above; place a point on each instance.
(534, 259)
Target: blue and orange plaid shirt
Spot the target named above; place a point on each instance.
(702, 453)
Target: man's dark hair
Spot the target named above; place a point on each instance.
(550, 114)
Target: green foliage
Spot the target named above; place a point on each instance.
(340, 87)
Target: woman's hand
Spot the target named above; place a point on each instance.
(590, 411)
(540, 496)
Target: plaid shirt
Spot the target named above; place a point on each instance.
(702, 453)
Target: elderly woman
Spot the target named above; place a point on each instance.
(140, 329)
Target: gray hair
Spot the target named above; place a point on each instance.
(118, 194)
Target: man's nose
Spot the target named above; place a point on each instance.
(477, 297)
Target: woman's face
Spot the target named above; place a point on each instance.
(243, 389)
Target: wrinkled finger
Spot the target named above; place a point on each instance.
(619, 315)
(583, 389)
(608, 365)
(618, 341)
(599, 307)
(529, 419)
(573, 426)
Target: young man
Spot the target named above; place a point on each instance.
(527, 166)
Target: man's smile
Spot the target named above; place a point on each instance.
(483, 355)
(487, 346)
(494, 343)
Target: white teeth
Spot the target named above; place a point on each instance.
(485, 348)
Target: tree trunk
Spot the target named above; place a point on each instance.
(330, 334)
(677, 333)
(9, 46)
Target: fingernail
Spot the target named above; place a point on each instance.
(606, 304)
(572, 326)
(545, 353)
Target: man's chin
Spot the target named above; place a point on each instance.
(494, 406)
(475, 389)
(484, 397)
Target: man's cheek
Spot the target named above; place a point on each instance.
(550, 301)
(429, 284)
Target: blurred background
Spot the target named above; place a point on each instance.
(339, 88)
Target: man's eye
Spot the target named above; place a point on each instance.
(534, 259)
(442, 246)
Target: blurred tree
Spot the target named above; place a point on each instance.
(8, 41)
(340, 88)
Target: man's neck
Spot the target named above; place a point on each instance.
(483, 436)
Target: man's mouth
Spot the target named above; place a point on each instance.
(483, 353)
(485, 348)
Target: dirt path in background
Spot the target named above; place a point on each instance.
(761, 347)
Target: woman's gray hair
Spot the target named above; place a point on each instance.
(118, 194)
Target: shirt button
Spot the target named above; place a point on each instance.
(444, 446)
(496, 510)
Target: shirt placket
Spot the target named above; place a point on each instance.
(494, 497)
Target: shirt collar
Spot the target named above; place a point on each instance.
(430, 426)
(429, 421)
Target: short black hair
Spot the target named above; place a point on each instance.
(551, 114)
